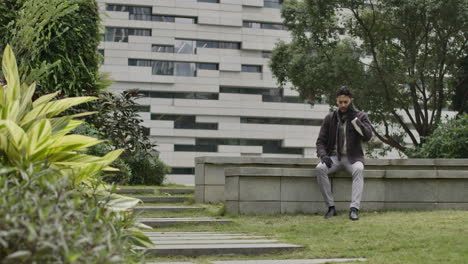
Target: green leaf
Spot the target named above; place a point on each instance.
(53, 108)
(44, 99)
(19, 254)
(10, 71)
(121, 203)
(74, 143)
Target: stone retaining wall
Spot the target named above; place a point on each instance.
(282, 185)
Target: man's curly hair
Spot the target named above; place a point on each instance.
(344, 90)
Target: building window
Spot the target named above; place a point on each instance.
(160, 18)
(139, 13)
(141, 63)
(163, 68)
(281, 121)
(162, 48)
(275, 26)
(117, 8)
(185, 122)
(179, 170)
(185, 46)
(185, 69)
(174, 19)
(249, 24)
(139, 32)
(214, 44)
(207, 66)
(196, 148)
(269, 146)
(116, 34)
(273, 3)
(207, 44)
(251, 68)
(173, 68)
(266, 54)
(180, 95)
(229, 45)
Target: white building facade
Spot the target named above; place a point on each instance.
(203, 68)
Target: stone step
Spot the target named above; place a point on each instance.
(135, 190)
(220, 237)
(273, 261)
(167, 221)
(289, 261)
(162, 199)
(168, 209)
(218, 249)
(154, 190)
(210, 243)
(177, 190)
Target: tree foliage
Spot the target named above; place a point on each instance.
(55, 42)
(398, 56)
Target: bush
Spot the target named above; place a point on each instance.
(449, 140)
(46, 220)
(118, 121)
(148, 171)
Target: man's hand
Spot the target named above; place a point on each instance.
(327, 160)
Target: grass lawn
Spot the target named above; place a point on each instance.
(381, 237)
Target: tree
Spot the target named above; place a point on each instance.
(56, 43)
(460, 97)
(398, 56)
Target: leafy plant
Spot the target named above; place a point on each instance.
(32, 132)
(35, 140)
(449, 140)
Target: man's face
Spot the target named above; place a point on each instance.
(343, 102)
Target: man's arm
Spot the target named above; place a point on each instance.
(363, 126)
(322, 139)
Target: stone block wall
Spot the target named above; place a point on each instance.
(276, 185)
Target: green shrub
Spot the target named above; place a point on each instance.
(449, 140)
(148, 171)
(46, 220)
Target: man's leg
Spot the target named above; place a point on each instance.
(322, 172)
(357, 171)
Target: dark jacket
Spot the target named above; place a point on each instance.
(329, 131)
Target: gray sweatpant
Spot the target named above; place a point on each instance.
(357, 171)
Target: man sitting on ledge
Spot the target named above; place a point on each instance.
(339, 147)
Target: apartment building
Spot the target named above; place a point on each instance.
(202, 66)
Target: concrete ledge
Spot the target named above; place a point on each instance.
(210, 172)
(253, 190)
(256, 185)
